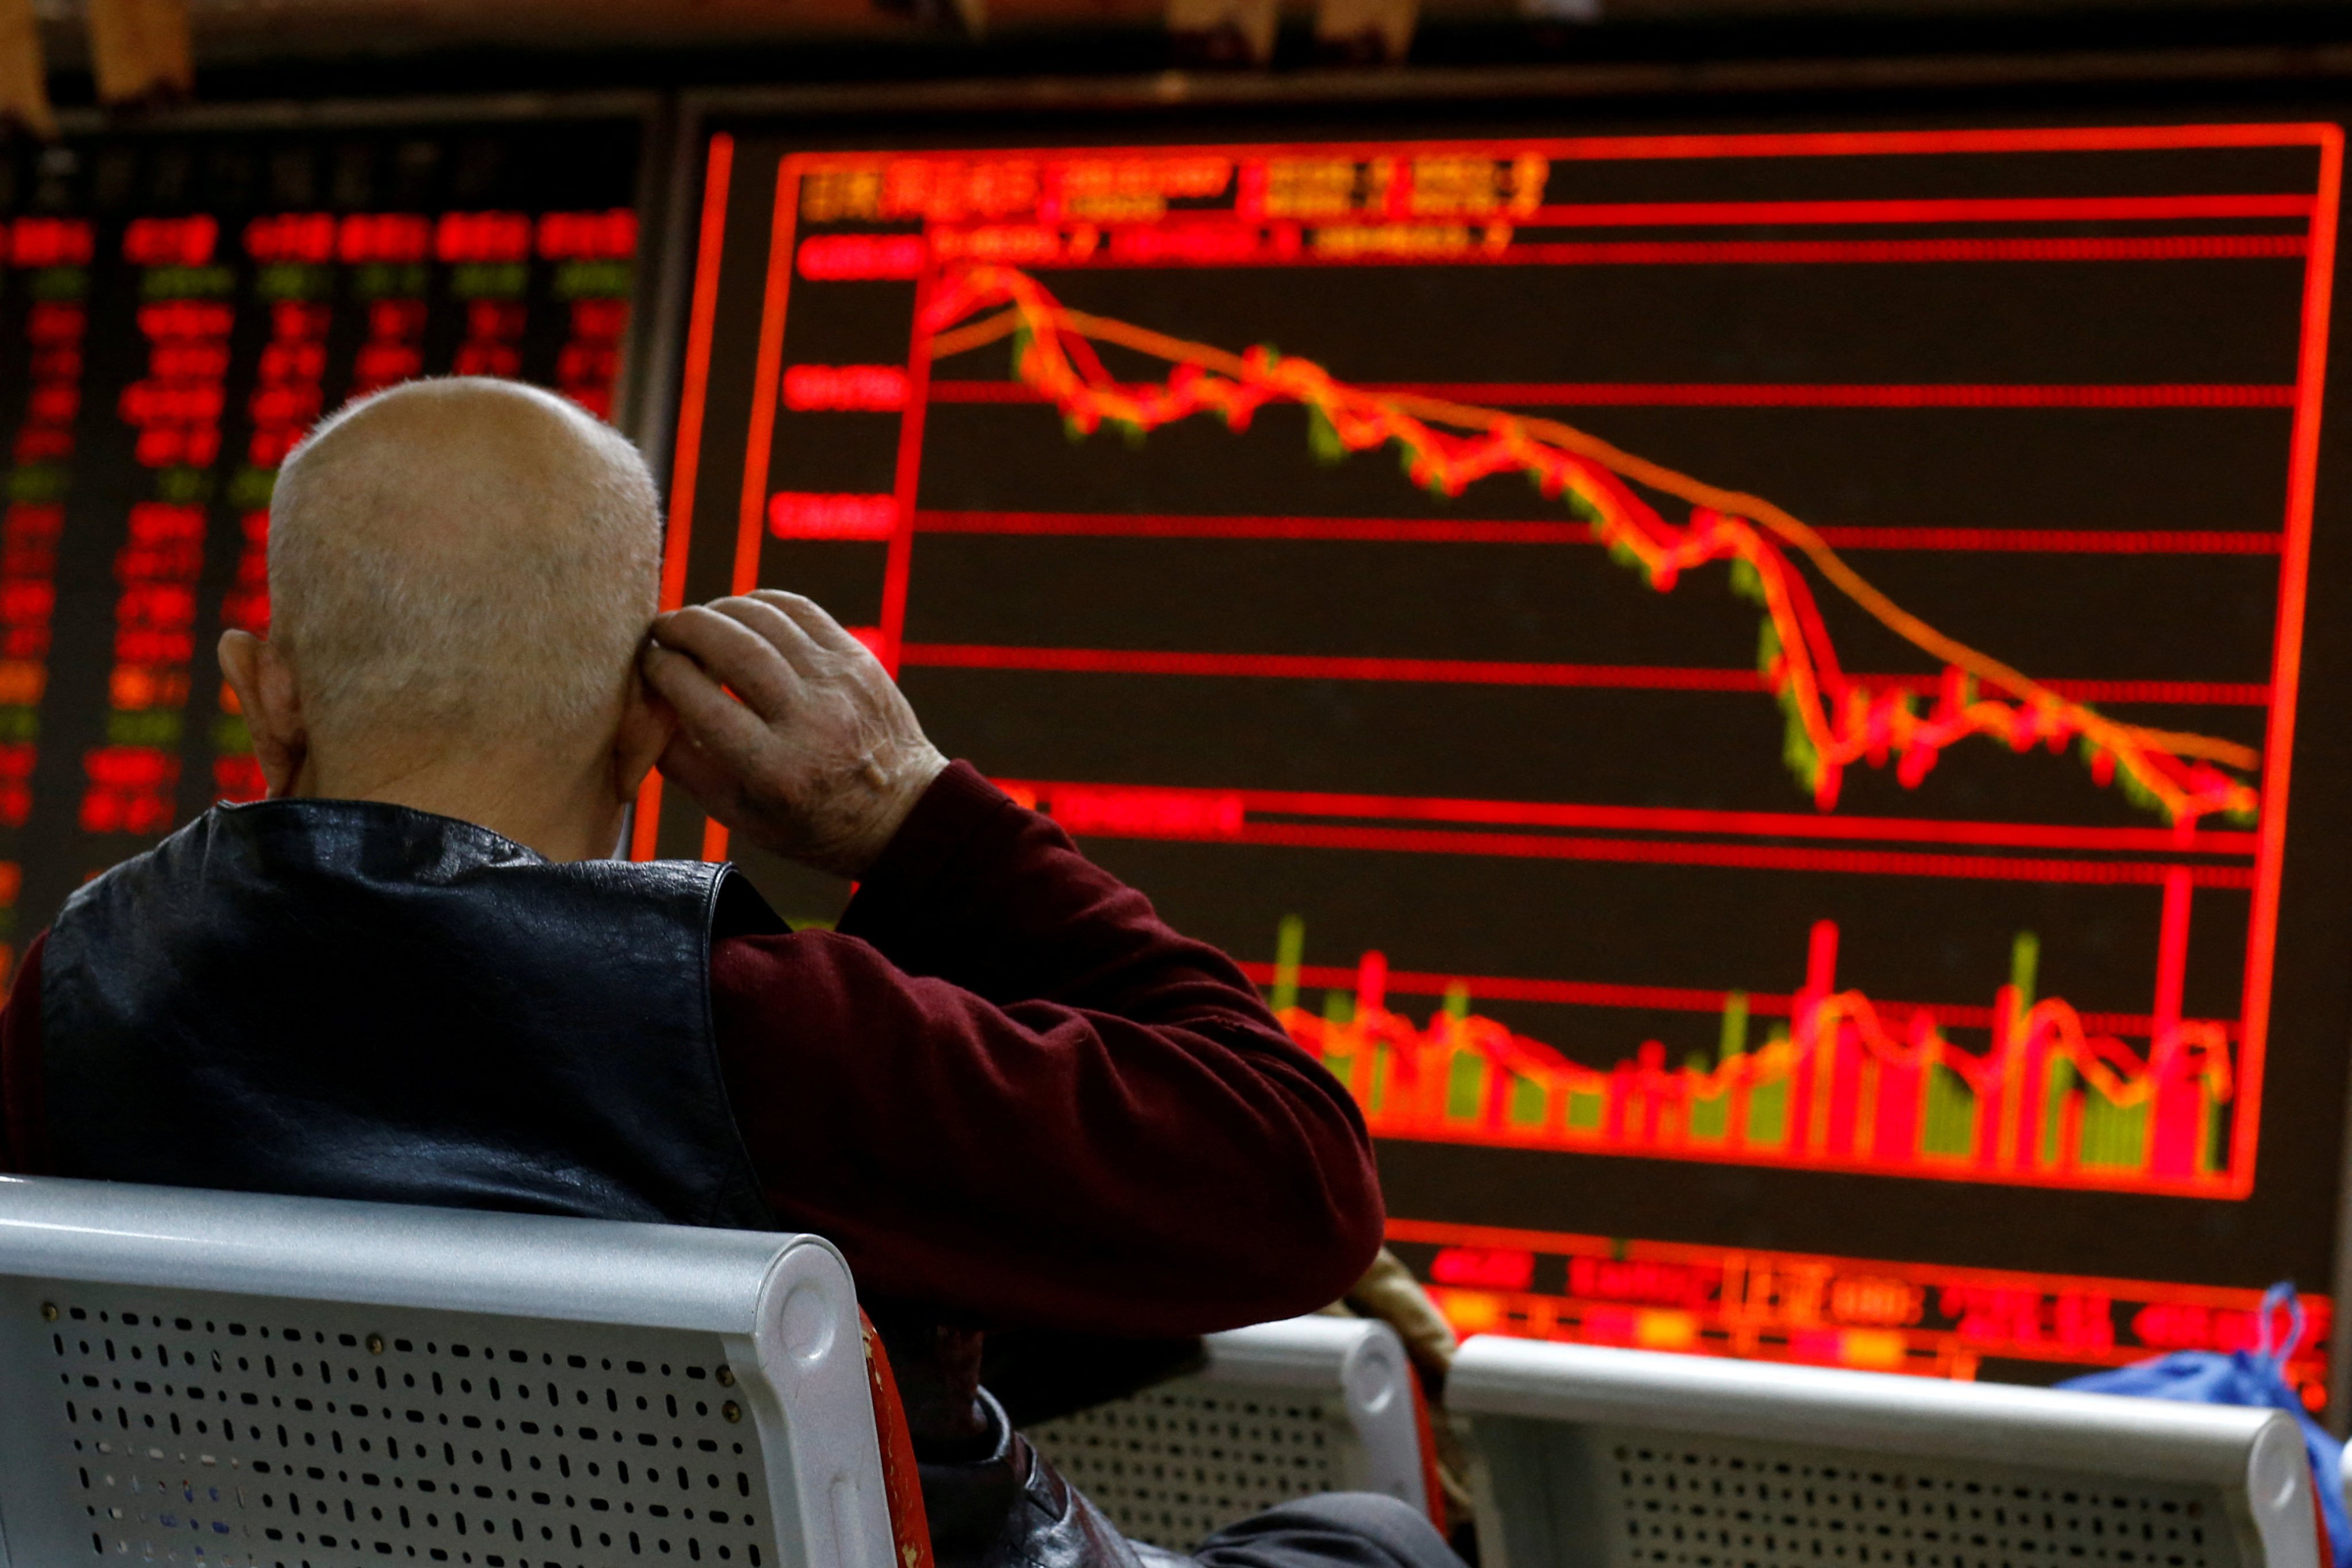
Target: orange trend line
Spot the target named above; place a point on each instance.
(1835, 720)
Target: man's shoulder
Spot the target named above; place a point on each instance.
(364, 861)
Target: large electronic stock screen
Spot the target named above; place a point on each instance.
(176, 306)
(1741, 691)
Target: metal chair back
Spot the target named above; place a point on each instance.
(230, 1379)
(1281, 1411)
(1608, 1459)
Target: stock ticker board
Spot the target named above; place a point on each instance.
(1740, 691)
(176, 307)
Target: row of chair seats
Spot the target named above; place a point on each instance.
(207, 1378)
(1591, 1456)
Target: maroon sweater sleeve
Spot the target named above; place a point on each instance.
(1010, 1092)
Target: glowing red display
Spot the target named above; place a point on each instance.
(178, 309)
(170, 241)
(874, 388)
(796, 514)
(383, 237)
(1658, 630)
(482, 236)
(1784, 1306)
(291, 236)
(48, 242)
(851, 257)
(588, 237)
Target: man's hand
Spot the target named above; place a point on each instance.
(821, 759)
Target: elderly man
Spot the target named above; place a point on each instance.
(1011, 1094)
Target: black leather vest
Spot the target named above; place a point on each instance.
(347, 999)
(344, 999)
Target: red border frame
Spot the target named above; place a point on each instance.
(718, 174)
(2309, 397)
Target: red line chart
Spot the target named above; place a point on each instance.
(1952, 775)
(1835, 720)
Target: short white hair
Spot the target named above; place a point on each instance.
(465, 558)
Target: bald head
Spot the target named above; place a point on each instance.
(462, 565)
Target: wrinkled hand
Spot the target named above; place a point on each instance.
(819, 760)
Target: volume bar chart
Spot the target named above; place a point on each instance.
(1845, 1083)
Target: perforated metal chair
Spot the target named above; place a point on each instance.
(223, 1379)
(1281, 1411)
(1607, 1459)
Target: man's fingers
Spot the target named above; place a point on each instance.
(731, 732)
(713, 786)
(799, 650)
(812, 618)
(735, 655)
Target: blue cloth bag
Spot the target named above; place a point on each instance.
(2256, 1377)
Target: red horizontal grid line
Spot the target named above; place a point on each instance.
(2199, 694)
(1683, 819)
(1317, 667)
(2058, 541)
(1848, 252)
(1569, 993)
(1866, 143)
(1777, 394)
(1832, 252)
(1938, 1168)
(1490, 672)
(1763, 395)
(982, 392)
(1374, 530)
(1743, 857)
(1696, 147)
(1705, 1255)
(2208, 693)
(1965, 209)
(1495, 530)
(1663, 998)
(1719, 253)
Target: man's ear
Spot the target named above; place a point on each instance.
(272, 705)
(647, 725)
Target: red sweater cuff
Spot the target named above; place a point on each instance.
(948, 835)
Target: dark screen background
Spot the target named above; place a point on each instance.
(2100, 617)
